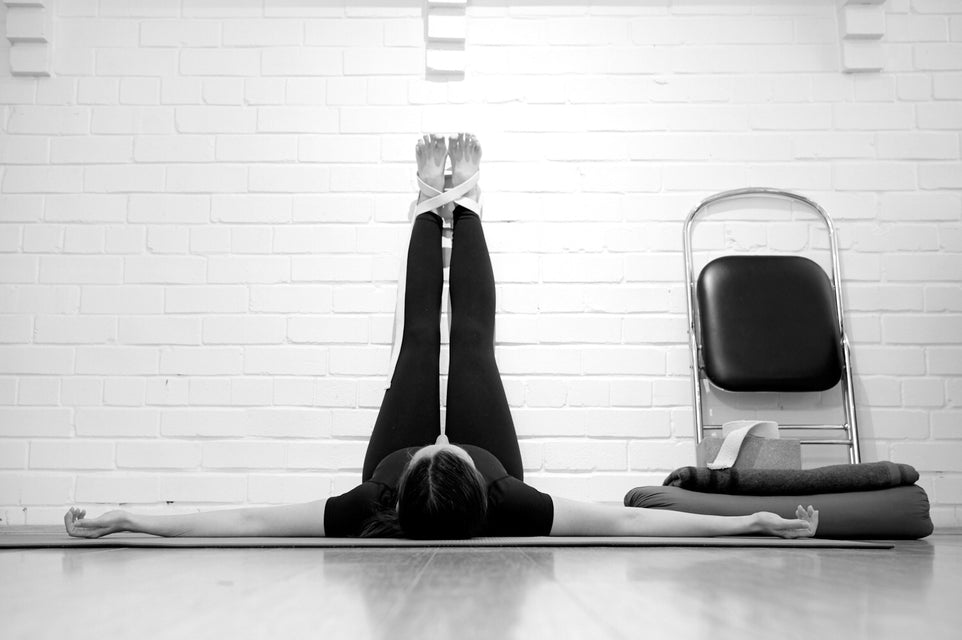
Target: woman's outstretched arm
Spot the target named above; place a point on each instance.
(572, 518)
(295, 520)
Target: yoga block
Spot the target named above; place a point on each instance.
(755, 453)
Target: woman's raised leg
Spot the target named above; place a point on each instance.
(477, 409)
(410, 413)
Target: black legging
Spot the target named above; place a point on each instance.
(477, 409)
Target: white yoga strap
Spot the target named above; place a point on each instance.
(437, 200)
(735, 433)
(456, 195)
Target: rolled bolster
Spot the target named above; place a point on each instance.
(894, 513)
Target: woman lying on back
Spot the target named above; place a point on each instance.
(415, 482)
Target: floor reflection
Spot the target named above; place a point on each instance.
(452, 593)
(503, 593)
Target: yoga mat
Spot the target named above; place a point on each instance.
(39, 539)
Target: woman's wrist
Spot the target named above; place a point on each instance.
(740, 525)
(128, 522)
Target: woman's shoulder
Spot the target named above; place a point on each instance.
(486, 462)
(388, 471)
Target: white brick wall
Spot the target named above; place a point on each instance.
(202, 213)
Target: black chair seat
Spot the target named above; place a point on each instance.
(768, 323)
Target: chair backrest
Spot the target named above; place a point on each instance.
(768, 323)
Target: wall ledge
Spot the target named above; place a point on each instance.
(861, 26)
(29, 29)
(445, 35)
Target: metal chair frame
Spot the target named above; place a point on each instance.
(850, 426)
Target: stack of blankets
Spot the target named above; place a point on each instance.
(877, 500)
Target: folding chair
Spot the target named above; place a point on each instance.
(769, 323)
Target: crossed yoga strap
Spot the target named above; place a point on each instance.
(436, 201)
(456, 195)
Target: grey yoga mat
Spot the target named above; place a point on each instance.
(32, 538)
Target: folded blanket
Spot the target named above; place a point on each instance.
(866, 476)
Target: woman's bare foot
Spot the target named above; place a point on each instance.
(431, 153)
(465, 153)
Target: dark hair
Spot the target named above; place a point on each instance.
(439, 497)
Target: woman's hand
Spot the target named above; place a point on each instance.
(80, 527)
(803, 526)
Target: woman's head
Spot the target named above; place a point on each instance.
(441, 494)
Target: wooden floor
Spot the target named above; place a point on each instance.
(913, 592)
